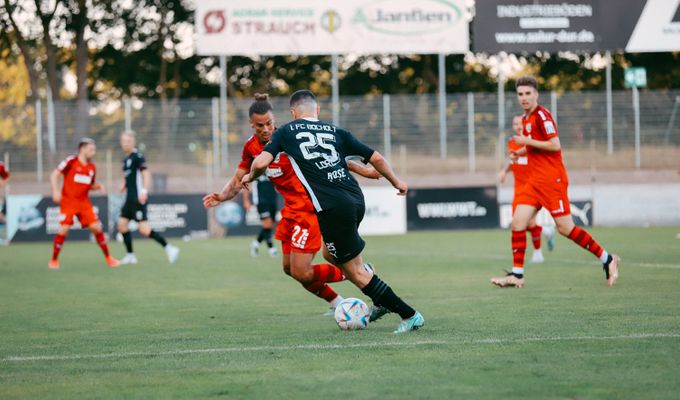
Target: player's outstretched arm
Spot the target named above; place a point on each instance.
(258, 167)
(504, 172)
(379, 163)
(54, 182)
(229, 191)
(365, 171)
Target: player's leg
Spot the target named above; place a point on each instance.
(610, 262)
(339, 228)
(314, 278)
(535, 231)
(172, 252)
(89, 219)
(520, 221)
(124, 229)
(59, 239)
(267, 229)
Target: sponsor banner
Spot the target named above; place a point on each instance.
(581, 211)
(385, 212)
(452, 208)
(658, 28)
(173, 215)
(272, 27)
(574, 25)
(33, 218)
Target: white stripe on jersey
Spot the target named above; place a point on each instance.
(140, 183)
(256, 195)
(543, 117)
(302, 179)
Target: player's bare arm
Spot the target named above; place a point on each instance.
(97, 186)
(504, 172)
(230, 190)
(364, 170)
(259, 166)
(380, 164)
(146, 183)
(551, 145)
(54, 182)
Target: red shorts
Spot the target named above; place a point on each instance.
(521, 197)
(554, 197)
(84, 212)
(300, 233)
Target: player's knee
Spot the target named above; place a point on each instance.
(122, 226)
(565, 229)
(95, 228)
(145, 229)
(64, 230)
(518, 225)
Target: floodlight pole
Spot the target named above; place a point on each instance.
(442, 106)
(223, 113)
(636, 114)
(610, 123)
(335, 89)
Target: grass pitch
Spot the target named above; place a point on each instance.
(219, 324)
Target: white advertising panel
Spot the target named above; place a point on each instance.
(385, 212)
(271, 27)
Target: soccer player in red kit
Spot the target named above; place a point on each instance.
(79, 173)
(4, 178)
(519, 166)
(298, 230)
(547, 188)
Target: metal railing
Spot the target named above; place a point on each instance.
(184, 138)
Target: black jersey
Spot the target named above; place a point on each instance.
(133, 165)
(318, 151)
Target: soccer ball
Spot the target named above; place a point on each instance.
(351, 314)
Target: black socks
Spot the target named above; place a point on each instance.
(383, 295)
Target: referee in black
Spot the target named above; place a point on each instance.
(318, 151)
(136, 186)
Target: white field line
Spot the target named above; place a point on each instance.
(508, 258)
(487, 341)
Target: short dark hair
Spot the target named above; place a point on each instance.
(527, 81)
(261, 105)
(301, 96)
(84, 142)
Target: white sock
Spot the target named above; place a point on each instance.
(604, 257)
(538, 251)
(336, 301)
(517, 270)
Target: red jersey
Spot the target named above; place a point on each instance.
(4, 174)
(78, 180)
(544, 166)
(520, 168)
(281, 173)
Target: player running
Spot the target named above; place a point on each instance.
(318, 152)
(79, 174)
(4, 179)
(298, 230)
(264, 197)
(547, 188)
(519, 166)
(136, 185)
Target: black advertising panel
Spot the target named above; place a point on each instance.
(517, 26)
(452, 208)
(35, 218)
(172, 215)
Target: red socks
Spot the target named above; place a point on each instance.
(327, 273)
(320, 289)
(583, 239)
(101, 241)
(536, 236)
(519, 247)
(57, 245)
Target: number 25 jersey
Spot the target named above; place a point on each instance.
(318, 152)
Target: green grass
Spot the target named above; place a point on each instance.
(222, 325)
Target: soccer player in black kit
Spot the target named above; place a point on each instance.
(264, 197)
(318, 151)
(136, 186)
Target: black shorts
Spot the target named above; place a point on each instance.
(134, 210)
(340, 231)
(266, 210)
